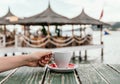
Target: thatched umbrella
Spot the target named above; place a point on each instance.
(9, 18)
(83, 18)
(5, 20)
(47, 17)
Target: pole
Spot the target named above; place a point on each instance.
(85, 55)
(5, 36)
(80, 58)
(101, 42)
(80, 31)
(16, 41)
(101, 34)
(24, 30)
(15, 37)
(48, 30)
(73, 43)
(4, 40)
(72, 30)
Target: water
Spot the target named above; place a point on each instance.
(111, 49)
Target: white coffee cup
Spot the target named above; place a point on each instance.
(62, 59)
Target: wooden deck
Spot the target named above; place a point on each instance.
(84, 74)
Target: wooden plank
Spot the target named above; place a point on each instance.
(110, 75)
(116, 67)
(45, 75)
(26, 75)
(3, 75)
(61, 78)
(88, 75)
(9, 75)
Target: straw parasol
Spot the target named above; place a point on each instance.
(9, 18)
(47, 17)
(83, 18)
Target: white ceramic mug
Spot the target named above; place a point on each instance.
(62, 59)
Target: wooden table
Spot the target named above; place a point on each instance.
(84, 74)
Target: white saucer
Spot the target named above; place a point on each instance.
(70, 68)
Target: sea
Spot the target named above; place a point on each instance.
(111, 48)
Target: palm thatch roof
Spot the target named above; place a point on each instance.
(47, 17)
(8, 18)
(83, 18)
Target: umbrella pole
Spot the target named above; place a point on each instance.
(14, 32)
(61, 31)
(48, 30)
(23, 43)
(84, 29)
(5, 35)
(80, 58)
(24, 30)
(80, 31)
(29, 32)
(72, 30)
(73, 44)
(101, 29)
(5, 30)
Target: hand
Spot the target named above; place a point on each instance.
(39, 58)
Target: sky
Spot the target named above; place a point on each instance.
(68, 8)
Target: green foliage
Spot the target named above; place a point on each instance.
(57, 31)
(1, 30)
(116, 26)
(44, 32)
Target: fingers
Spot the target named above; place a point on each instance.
(41, 64)
(45, 59)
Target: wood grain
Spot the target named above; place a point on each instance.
(26, 75)
(88, 75)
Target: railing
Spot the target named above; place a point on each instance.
(52, 41)
(48, 41)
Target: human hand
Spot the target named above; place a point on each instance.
(39, 58)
